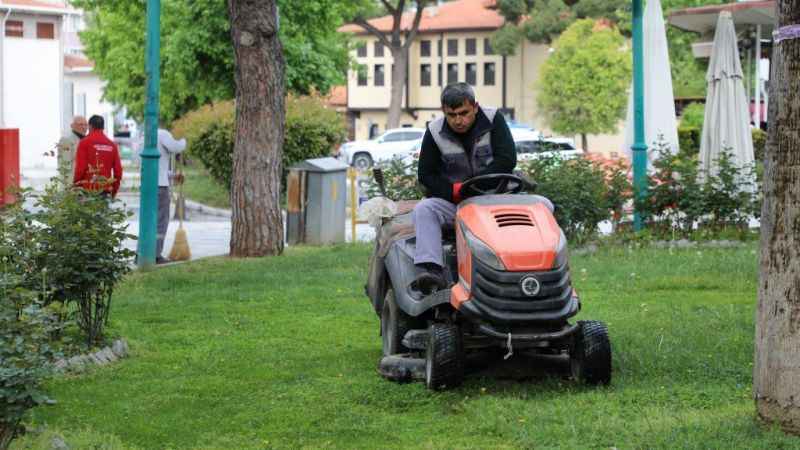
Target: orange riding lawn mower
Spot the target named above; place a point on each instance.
(509, 290)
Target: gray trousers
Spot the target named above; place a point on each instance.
(163, 218)
(429, 216)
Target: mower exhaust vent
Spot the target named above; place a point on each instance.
(513, 219)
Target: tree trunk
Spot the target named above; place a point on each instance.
(584, 143)
(776, 374)
(257, 222)
(400, 56)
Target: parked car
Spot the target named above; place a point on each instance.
(396, 142)
(531, 145)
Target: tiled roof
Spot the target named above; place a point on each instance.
(36, 4)
(75, 62)
(455, 15)
(338, 96)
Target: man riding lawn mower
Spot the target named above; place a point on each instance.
(478, 264)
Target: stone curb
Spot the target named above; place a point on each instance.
(106, 355)
(208, 210)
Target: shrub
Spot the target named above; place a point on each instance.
(689, 140)
(25, 330)
(577, 188)
(731, 194)
(80, 247)
(311, 131)
(759, 144)
(693, 116)
(400, 180)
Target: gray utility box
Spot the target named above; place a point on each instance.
(316, 193)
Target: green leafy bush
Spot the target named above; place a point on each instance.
(693, 116)
(759, 144)
(312, 131)
(400, 180)
(689, 140)
(732, 196)
(577, 188)
(25, 330)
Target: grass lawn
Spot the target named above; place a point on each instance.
(281, 353)
(202, 188)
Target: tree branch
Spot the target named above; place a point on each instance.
(397, 21)
(360, 21)
(389, 7)
(415, 25)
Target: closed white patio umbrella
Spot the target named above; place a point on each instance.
(659, 103)
(727, 120)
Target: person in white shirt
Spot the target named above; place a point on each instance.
(167, 146)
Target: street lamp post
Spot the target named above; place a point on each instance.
(639, 148)
(149, 190)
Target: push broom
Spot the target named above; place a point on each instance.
(180, 247)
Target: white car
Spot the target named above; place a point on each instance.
(531, 145)
(394, 143)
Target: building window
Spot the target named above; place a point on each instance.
(452, 73)
(378, 74)
(425, 74)
(488, 74)
(439, 48)
(425, 48)
(487, 47)
(361, 50)
(378, 49)
(452, 47)
(362, 76)
(472, 74)
(439, 77)
(471, 46)
(14, 28)
(45, 30)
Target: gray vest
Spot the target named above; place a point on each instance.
(458, 165)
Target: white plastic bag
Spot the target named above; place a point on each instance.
(375, 209)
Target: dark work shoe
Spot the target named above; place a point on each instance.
(430, 280)
(162, 260)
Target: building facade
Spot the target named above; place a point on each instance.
(45, 79)
(453, 44)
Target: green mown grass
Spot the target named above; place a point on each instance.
(281, 353)
(200, 187)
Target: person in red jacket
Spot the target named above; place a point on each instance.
(97, 163)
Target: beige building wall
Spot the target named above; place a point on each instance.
(371, 102)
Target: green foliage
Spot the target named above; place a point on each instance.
(400, 180)
(759, 143)
(577, 188)
(732, 195)
(547, 20)
(681, 198)
(197, 57)
(599, 8)
(513, 10)
(689, 140)
(311, 131)
(583, 85)
(73, 439)
(25, 325)
(79, 246)
(505, 40)
(693, 116)
(25, 357)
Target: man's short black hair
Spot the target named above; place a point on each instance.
(97, 123)
(454, 95)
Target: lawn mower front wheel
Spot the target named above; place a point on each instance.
(590, 358)
(444, 357)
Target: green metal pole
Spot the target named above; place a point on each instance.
(148, 207)
(639, 148)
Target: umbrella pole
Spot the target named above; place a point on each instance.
(639, 148)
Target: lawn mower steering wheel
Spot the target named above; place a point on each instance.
(505, 183)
